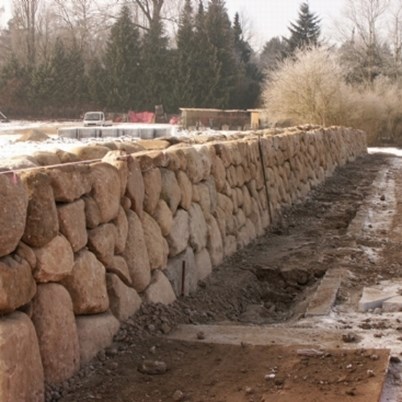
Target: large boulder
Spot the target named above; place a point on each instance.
(69, 182)
(17, 286)
(21, 370)
(136, 254)
(106, 190)
(203, 264)
(171, 191)
(198, 228)
(42, 223)
(54, 261)
(214, 243)
(182, 273)
(54, 321)
(95, 333)
(121, 224)
(87, 285)
(101, 241)
(118, 266)
(72, 223)
(160, 290)
(124, 301)
(186, 188)
(135, 186)
(117, 159)
(13, 212)
(163, 215)
(155, 242)
(180, 233)
(153, 188)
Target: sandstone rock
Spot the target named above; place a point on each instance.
(92, 212)
(135, 186)
(118, 266)
(69, 182)
(152, 159)
(177, 157)
(186, 189)
(17, 286)
(129, 147)
(203, 264)
(164, 218)
(153, 188)
(87, 285)
(214, 243)
(72, 223)
(66, 157)
(13, 212)
(205, 199)
(154, 242)
(121, 225)
(195, 166)
(136, 254)
(198, 228)
(25, 252)
(171, 191)
(54, 321)
(118, 160)
(95, 333)
(180, 233)
(246, 234)
(230, 245)
(21, 370)
(154, 144)
(219, 173)
(105, 190)
(101, 241)
(160, 290)
(54, 261)
(90, 152)
(247, 204)
(182, 267)
(124, 301)
(45, 158)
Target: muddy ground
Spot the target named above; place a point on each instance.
(270, 282)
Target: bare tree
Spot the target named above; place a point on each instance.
(25, 16)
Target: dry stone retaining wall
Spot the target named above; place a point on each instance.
(82, 245)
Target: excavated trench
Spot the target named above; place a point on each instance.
(347, 226)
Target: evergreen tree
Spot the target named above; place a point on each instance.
(157, 68)
(273, 53)
(305, 32)
(248, 77)
(207, 72)
(220, 35)
(122, 65)
(186, 58)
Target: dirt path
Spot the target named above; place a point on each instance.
(350, 227)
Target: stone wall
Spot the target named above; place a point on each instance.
(83, 244)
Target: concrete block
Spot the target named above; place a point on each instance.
(393, 305)
(374, 298)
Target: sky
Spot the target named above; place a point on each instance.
(269, 18)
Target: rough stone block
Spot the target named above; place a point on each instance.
(203, 264)
(171, 191)
(87, 285)
(198, 228)
(121, 224)
(54, 261)
(17, 286)
(135, 186)
(54, 321)
(124, 301)
(13, 212)
(160, 290)
(72, 224)
(153, 188)
(186, 188)
(101, 241)
(21, 370)
(180, 233)
(163, 215)
(182, 273)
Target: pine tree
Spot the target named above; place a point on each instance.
(122, 64)
(185, 58)
(207, 73)
(305, 32)
(248, 75)
(157, 68)
(220, 35)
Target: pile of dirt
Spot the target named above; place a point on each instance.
(33, 135)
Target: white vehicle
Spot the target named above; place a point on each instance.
(94, 119)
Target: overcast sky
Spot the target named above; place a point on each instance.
(268, 18)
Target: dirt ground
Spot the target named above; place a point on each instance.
(270, 282)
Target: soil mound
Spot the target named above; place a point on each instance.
(33, 135)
